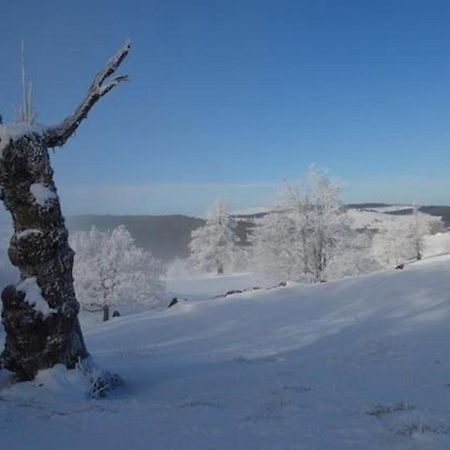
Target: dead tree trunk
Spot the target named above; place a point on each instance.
(40, 313)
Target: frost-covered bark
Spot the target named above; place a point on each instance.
(40, 311)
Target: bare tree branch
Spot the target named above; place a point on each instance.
(57, 135)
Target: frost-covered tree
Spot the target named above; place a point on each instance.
(403, 240)
(306, 231)
(110, 270)
(212, 246)
(321, 223)
(353, 256)
(324, 224)
(391, 247)
(40, 312)
(277, 251)
(418, 228)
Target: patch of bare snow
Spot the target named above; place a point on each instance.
(33, 296)
(13, 132)
(41, 193)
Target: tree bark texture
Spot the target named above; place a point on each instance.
(40, 312)
(39, 249)
(105, 313)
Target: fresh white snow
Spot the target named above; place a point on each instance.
(33, 296)
(41, 193)
(203, 287)
(362, 363)
(13, 132)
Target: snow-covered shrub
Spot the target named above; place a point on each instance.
(110, 270)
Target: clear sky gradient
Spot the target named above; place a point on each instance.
(231, 97)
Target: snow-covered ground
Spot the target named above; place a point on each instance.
(388, 209)
(362, 363)
(205, 287)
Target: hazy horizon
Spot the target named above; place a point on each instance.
(139, 200)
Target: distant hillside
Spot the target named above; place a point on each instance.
(439, 211)
(366, 205)
(442, 211)
(166, 236)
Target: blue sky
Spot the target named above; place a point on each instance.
(232, 97)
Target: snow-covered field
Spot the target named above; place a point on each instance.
(361, 363)
(379, 219)
(207, 286)
(355, 364)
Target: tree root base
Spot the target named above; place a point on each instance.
(101, 381)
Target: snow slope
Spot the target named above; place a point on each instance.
(358, 364)
(203, 287)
